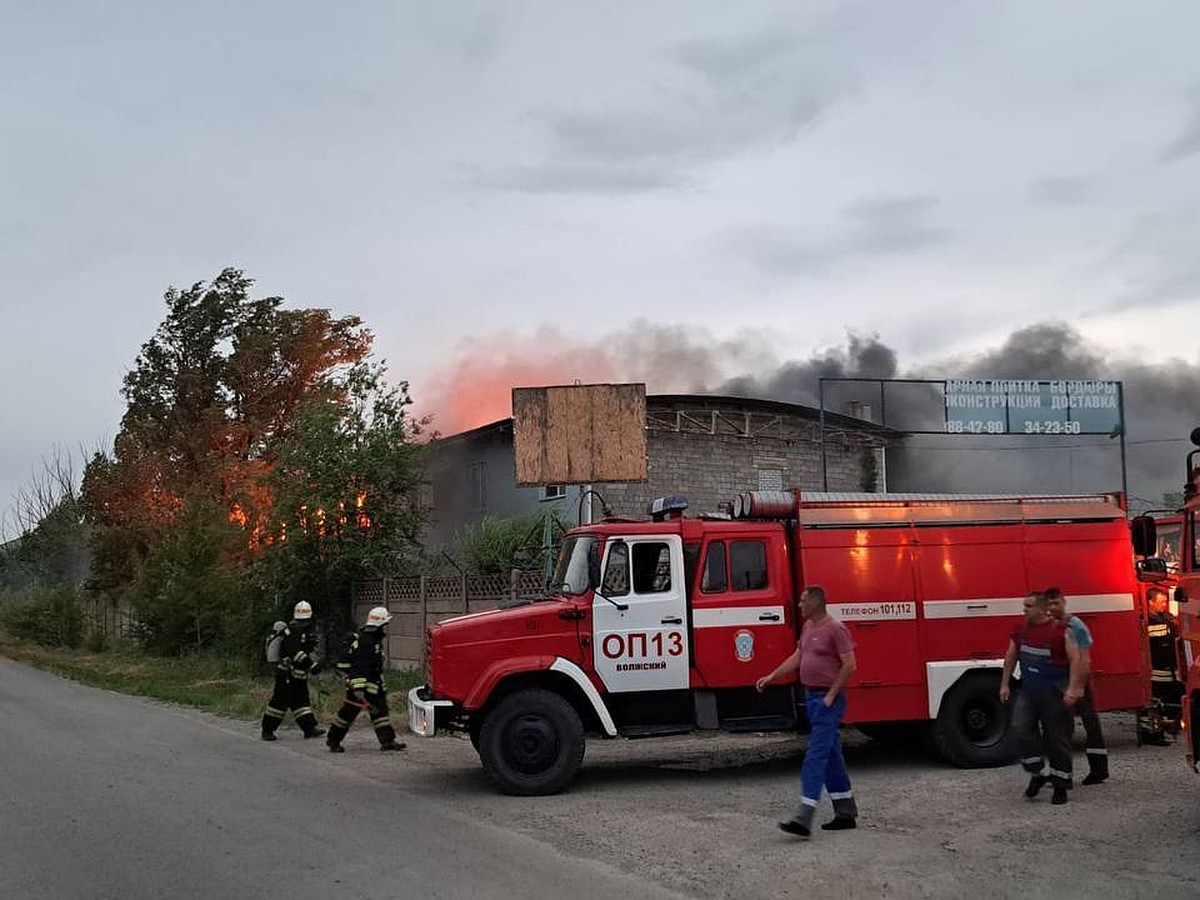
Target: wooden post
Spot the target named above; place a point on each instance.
(424, 603)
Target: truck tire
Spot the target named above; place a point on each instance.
(971, 729)
(531, 743)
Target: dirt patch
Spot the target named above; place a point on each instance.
(698, 814)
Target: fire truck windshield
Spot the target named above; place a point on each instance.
(576, 564)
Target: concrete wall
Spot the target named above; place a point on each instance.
(453, 504)
(708, 449)
(709, 469)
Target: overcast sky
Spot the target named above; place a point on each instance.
(540, 179)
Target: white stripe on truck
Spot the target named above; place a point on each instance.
(736, 616)
(1013, 606)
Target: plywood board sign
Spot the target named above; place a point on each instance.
(579, 434)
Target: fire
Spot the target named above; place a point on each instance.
(477, 388)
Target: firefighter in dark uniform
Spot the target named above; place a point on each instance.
(1165, 687)
(361, 665)
(297, 660)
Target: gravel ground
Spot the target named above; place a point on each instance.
(698, 814)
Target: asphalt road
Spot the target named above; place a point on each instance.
(108, 796)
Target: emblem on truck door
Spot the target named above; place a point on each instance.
(743, 645)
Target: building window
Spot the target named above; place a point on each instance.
(554, 491)
(770, 480)
(425, 495)
(477, 485)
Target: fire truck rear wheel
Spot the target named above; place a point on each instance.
(531, 743)
(971, 729)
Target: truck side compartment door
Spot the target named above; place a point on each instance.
(643, 647)
(868, 573)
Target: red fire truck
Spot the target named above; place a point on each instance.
(661, 626)
(1185, 572)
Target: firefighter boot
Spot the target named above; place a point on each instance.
(387, 736)
(272, 719)
(337, 731)
(801, 823)
(1060, 795)
(1036, 783)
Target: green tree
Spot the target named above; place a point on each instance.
(228, 389)
(347, 490)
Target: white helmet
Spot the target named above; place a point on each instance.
(379, 616)
(302, 610)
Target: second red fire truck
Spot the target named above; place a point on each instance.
(661, 626)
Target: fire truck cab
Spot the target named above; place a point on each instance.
(662, 626)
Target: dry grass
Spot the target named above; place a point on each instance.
(222, 686)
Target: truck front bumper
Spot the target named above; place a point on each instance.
(423, 711)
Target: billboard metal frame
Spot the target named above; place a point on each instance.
(1117, 432)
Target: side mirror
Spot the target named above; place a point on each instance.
(1144, 534)
(1180, 595)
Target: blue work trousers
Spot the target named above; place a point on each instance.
(824, 766)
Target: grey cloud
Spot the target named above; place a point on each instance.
(1157, 258)
(554, 179)
(1187, 142)
(873, 226)
(1060, 191)
(734, 59)
(893, 224)
(730, 96)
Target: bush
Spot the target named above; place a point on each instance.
(493, 546)
(189, 590)
(51, 617)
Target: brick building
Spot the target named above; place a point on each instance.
(708, 448)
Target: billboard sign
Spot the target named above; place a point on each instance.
(579, 434)
(1018, 406)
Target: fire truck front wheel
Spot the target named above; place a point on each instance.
(971, 729)
(531, 743)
